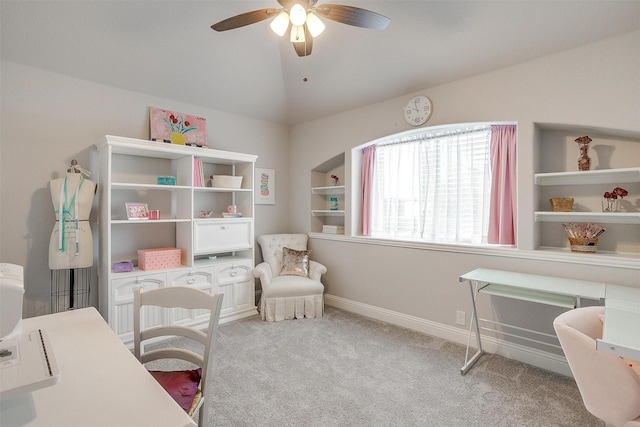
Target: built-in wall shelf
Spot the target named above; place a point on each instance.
(614, 157)
(326, 212)
(604, 176)
(325, 196)
(604, 217)
(336, 189)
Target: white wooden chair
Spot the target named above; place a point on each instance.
(291, 287)
(188, 387)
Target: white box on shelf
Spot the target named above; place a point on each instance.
(226, 181)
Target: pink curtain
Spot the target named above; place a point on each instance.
(503, 208)
(368, 162)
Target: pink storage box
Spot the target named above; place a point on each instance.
(158, 258)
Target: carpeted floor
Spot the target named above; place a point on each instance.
(347, 370)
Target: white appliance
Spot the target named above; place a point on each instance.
(27, 361)
(11, 293)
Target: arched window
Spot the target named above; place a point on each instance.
(435, 185)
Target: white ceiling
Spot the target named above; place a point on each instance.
(167, 48)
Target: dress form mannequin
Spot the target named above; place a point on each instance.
(72, 198)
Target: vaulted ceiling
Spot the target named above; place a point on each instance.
(167, 48)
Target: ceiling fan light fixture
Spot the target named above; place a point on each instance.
(298, 15)
(315, 25)
(297, 34)
(280, 24)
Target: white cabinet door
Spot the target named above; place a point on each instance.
(235, 280)
(220, 236)
(122, 308)
(195, 278)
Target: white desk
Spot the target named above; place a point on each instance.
(621, 330)
(101, 382)
(528, 287)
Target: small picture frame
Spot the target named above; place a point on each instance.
(137, 211)
(265, 186)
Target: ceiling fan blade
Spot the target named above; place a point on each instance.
(304, 48)
(245, 19)
(351, 15)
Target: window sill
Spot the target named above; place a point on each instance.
(627, 261)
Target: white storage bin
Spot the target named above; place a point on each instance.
(226, 181)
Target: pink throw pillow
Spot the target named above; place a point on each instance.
(181, 385)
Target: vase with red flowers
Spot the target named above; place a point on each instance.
(584, 161)
(611, 202)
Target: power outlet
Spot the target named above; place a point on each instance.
(460, 318)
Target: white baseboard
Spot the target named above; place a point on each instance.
(542, 359)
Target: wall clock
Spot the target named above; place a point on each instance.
(418, 110)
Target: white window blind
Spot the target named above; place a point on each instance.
(433, 186)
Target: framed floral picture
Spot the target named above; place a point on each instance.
(137, 211)
(177, 128)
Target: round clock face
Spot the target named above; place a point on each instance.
(418, 110)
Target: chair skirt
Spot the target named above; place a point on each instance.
(296, 307)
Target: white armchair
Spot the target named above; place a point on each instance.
(287, 296)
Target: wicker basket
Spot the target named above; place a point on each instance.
(561, 205)
(583, 245)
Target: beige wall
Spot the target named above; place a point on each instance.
(49, 119)
(592, 86)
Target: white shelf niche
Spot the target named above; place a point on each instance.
(605, 217)
(603, 176)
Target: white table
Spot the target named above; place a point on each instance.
(555, 291)
(101, 382)
(621, 330)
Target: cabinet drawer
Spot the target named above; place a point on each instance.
(200, 279)
(234, 272)
(219, 236)
(123, 288)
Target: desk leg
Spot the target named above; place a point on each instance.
(468, 363)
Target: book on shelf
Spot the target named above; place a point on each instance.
(231, 215)
(196, 173)
(333, 229)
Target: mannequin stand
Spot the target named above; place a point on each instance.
(70, 289)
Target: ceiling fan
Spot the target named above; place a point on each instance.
(304, 17)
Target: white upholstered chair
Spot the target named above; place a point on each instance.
(187, 387)
(610, 389)
(288, 293)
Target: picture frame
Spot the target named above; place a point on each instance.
(265, 186)
(137, 211)
(177, 128)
